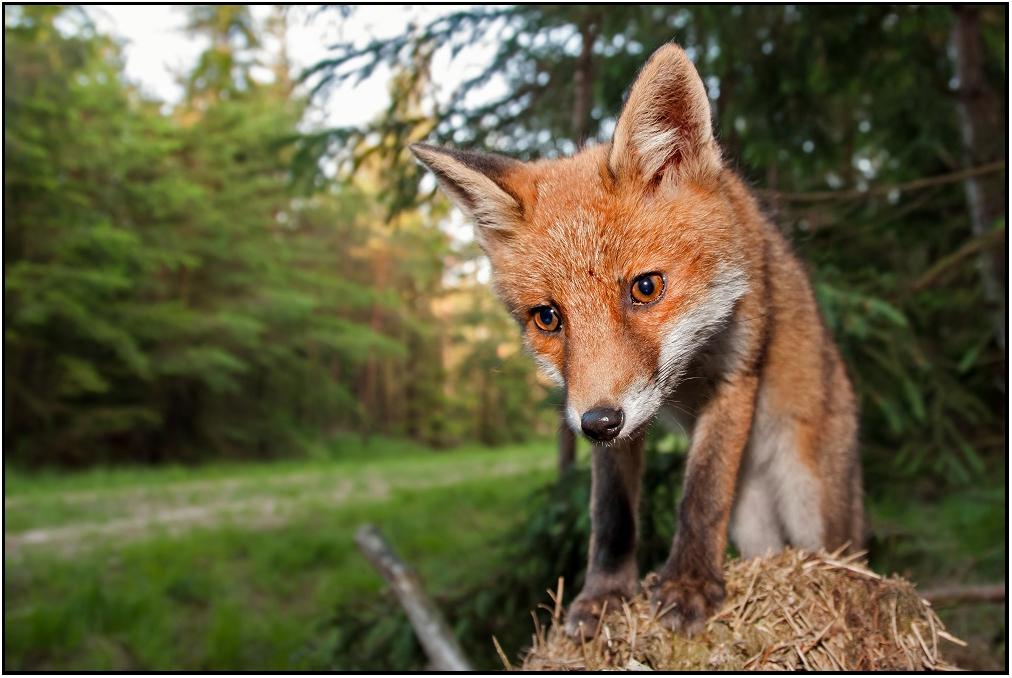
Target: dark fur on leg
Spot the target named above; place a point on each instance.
(611, 573)
(690, 588)
(691, 585)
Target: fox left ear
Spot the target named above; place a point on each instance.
(478, 183)
(665, 128)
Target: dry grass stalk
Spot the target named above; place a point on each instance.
(502, 655)
(791, 611)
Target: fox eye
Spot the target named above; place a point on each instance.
(647, 288)
(546, 318)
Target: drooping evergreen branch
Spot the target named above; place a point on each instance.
(858, 194)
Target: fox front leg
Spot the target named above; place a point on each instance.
(690, 586)
(616, 474)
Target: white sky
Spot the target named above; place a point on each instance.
(157, 51)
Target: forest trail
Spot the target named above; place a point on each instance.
(67, 522)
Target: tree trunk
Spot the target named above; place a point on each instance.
(583, 81)
(728, 84)
(370, 391)
(567, 448)
(983, 130)
(583, 84)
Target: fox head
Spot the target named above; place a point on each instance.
(618, 262)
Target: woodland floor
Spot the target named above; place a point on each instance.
(239, 567)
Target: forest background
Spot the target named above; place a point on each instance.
(225, 298)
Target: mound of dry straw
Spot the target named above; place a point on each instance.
(792, 611)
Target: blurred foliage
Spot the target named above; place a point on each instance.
(168, 296)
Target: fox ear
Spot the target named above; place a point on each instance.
(477, 184)
(664, 128)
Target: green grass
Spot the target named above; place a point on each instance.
(343, 452)
(234, 597)
(49, 500)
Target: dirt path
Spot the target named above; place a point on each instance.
(196, 504)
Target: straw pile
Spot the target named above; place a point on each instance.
(792, 611)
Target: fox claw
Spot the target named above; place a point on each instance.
(685, 604)
(584, 615)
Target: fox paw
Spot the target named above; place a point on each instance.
(684, 604)
(585, 613)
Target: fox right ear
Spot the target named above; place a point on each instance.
(477, 183)
(664, 130)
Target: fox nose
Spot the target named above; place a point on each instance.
(602, 424)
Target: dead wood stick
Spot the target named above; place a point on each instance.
(986, 593)
(440, 645)
(969, 249)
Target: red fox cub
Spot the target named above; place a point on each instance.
(646, 281)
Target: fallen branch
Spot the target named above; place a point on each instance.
(439, 644)
(971, 248)
(986, 593)
(857, 194)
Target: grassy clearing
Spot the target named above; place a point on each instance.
(227, 597)
(244, 593)
(341, 454)
(46, 500)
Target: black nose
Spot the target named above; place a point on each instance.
(603, 423)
